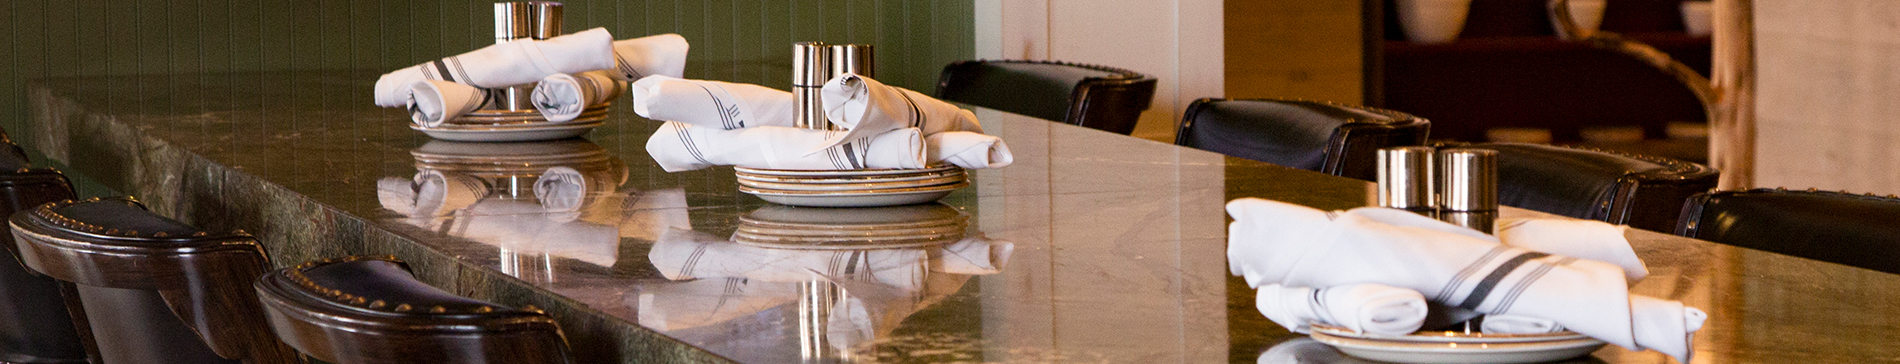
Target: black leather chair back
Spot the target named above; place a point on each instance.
(1331, 138)
(150, 289)
(1639, 191)
(35, 326)
(1856, 230)
(1098, 97)
(363, 310)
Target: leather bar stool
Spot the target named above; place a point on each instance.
(371, 310)
(149, 289)
(1838, 227)
(1336, 139)
(1639, 191)
(1098, 97)
(35, 326)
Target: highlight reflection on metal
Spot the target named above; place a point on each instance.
(532, 201)
(1405, 179)
(1468, 187)
(844, 299)
(809, 73)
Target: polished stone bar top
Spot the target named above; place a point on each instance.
(1092, 247)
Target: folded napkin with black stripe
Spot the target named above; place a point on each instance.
(711, 104)
(507, 64)
(562, 97)
(867, 107)
(1365, 307)
(433, 102)
(1280, 243)
(681, 147)
(661, 55)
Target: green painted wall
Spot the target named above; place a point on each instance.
(732, 40)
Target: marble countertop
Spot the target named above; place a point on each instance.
(1092, 247)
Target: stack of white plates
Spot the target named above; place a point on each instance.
(893, 227)
(514, 125)
(851, 188)
(1457, 347)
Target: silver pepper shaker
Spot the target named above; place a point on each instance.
(1468, 188)
(810, 69)
(1405, 179)
(851, 58)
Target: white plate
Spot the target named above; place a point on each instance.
(840, 173)
(1448, 336)
(860, 186)
(508, 134)
(859, 179)
(1444, 352)
(866, 199)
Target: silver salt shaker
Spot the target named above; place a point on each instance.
(810, 69)
(1468, 188)
(1405, 179)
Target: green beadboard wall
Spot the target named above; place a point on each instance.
(739, 41)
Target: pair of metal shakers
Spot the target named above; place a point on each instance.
(814, 63)
(536, 20)
(1456, 185)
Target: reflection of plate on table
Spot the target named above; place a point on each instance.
(1457, 347)
(845, 244)
(891, 197)
(509, 133)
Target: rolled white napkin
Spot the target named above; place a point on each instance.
(433, 102)
(636, 58)
(867, 107)
(1518, 324)
(1586, 239)
(1274, 242)
(562, 96)
(711, 104)
(969, 150)
(507, 64)
(681, 147)
(1366, 307)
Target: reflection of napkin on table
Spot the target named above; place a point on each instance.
(682, 305)
(513, 63)
(867, 107)
(685, 254)
(969, 150)
(973, 255)
(1366, 307)
(711, 104)
(562, 97)
(663, 54)
(431, 193)
(1305, 350)
(432, 102)
(1274, 242)
(525, 228)
(681, 147)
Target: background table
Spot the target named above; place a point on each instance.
(1118, 242)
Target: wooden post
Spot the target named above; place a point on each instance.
(1732, 74)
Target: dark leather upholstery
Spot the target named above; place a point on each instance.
(1331, 138)
(35, 326)
(1098, 97)
(359, 310)
(1639, 191)
(1856, 230)
(125, 260)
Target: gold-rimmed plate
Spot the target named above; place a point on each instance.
(890, 197)
(840, 173)
(859, 186)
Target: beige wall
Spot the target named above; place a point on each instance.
(1299, 49)
(1829, 93)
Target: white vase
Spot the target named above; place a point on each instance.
(1433, 21)
(1698, 17)
(1587, 13)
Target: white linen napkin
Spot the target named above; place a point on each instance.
(969, 150)
(1274, 242)
(1586, 239)
(711, 104)
(507, 64)
(1365, 307)
(433, 102)
(562, 97)
(867, 107)
(663, 54)
(681, 147)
